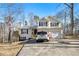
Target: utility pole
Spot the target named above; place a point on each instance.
(72, 17)
(71, 6)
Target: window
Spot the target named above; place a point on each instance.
(54, 24)
(42, 33)
(42, 23)
(27, 31)
(24, 31)
(46, 23)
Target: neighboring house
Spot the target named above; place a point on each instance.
(25, 32)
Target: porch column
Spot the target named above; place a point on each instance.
(49, 24)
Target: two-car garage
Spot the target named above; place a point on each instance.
(52, 32)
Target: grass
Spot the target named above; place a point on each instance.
(10, 49)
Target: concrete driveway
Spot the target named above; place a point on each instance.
(51, 48)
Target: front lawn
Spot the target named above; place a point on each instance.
(8, 49)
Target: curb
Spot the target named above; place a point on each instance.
(20, 50)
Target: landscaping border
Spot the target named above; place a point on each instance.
(20, 50)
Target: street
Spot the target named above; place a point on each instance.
(51, 48)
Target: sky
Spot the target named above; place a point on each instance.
(39, 9)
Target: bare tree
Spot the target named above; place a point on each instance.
(9, 20)
(31, 18)
(12, 17)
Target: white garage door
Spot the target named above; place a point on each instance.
(56, 34)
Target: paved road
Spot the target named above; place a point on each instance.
(52, 48)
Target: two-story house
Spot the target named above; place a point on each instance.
(52, 26)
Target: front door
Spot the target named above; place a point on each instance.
(35, 31)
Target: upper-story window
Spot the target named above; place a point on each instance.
(24, 31)
(42, 23)
(54, 24)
